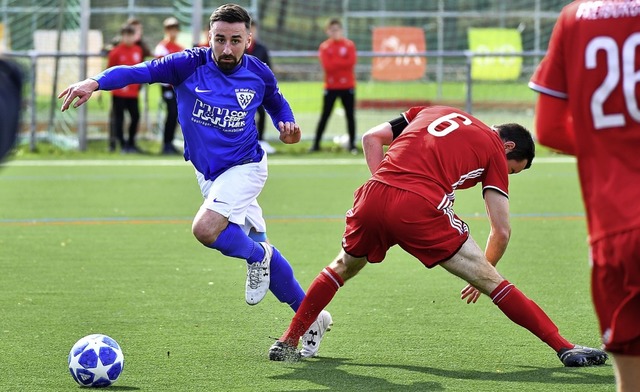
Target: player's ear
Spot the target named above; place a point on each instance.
(509, 146)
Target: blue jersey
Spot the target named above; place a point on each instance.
(216, 109)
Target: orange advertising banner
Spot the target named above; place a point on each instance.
(403, 41)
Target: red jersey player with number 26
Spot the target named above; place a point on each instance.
(434, 151)
(588, 107)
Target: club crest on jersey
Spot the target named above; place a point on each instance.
(244, 96)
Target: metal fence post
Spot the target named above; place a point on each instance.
(469, 82)
(33, 57)
(85, 15)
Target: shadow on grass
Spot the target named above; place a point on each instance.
(335, 374)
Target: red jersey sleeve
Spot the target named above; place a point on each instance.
(550, 77)
(496, 175)
(410, 114)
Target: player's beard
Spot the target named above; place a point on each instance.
(228, 62)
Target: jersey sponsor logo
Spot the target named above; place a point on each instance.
(223, 118)
(244, 96)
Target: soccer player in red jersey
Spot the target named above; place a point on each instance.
(338, 58)
(125, 98)
(408, 201)
(588, 107)
(165, 47)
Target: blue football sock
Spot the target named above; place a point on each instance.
(258, 236)
(233, 242)
(284, 285)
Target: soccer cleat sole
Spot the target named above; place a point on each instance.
(280, 351)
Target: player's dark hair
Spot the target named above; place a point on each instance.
(525, 147)
(230, 13)
(333, 21)
(134, 21)
(127, 29)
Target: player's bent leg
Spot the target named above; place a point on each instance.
(626, 371)
(470, 264)
(233, 242)
(346, 265)
(207, 226)
(283, 284)
(320, 293)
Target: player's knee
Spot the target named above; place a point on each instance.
(207, 226)
(347, 266)
(203, 232)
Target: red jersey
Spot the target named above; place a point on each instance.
(441, 150)
(338, 59)
(593, 60)
(125, 55)
(166, 47)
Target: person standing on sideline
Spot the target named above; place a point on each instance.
(146, 52)
(139, 36)
(167, 46)
(259, 50)
(433, 151)
(11, 80)
(588, 107)
(125, 98)
(219, 89)
(139, 39)
(338, 60)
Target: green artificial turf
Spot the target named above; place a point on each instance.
(105, 246)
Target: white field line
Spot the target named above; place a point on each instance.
(177, 162)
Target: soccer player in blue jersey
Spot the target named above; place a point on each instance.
(218, 89)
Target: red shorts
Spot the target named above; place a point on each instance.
(615, 288)
(383, 216)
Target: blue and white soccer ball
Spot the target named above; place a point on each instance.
(96, 361)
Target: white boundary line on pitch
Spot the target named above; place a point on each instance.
(174, 162)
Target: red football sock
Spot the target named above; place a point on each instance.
(320, 293)
(526, 313)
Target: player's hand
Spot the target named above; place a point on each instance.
(470, 293)
(81, 90)
(289, 132)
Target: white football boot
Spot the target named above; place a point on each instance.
(312, 338)
(259, 277)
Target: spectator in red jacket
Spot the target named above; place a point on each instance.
(127, 52)
(338, 59)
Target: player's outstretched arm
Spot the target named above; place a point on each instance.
(81, 90)
(497, 205)
(289, 132)
(373, 142)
